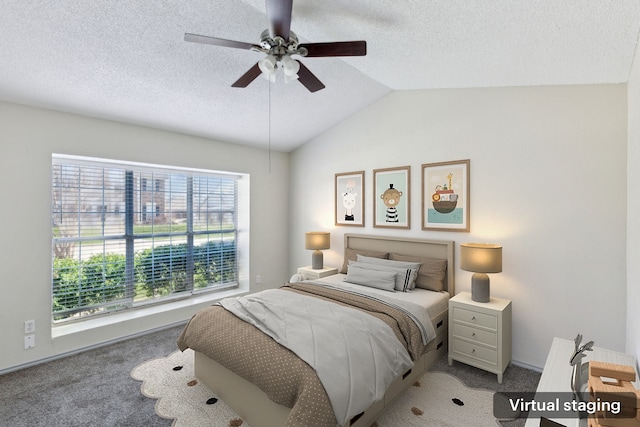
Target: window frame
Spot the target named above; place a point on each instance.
(130, 237)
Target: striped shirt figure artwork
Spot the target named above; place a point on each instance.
(391, 197)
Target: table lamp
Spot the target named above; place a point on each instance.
(480, 258)
(316, 241)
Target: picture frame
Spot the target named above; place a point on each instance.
(349, 199)
(446, 195)
(392, 197)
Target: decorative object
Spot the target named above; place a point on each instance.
(480, 258)
(349, 198)
(579, 370)
(445, 196)
(391, 197)
(617, 388)
(180, 396)
(317, 241)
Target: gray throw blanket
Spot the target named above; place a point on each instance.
(365, 354)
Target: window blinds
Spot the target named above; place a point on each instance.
(126, 234)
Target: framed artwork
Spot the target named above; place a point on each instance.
(391, 197)
(445, 196)
(349, 198)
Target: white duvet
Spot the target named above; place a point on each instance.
(364, 358)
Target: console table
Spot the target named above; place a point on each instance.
(556, 376)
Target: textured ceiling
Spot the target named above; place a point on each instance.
(128, 61)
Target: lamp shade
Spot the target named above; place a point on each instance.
(317, 240)
(481, 257)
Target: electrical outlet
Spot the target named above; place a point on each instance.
(258, 279)
(29, 341)
(29, 326)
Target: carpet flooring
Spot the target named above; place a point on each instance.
(95, 388)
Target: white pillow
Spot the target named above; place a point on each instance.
(407, 272)
(385, 280)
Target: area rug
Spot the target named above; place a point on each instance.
(436, 400)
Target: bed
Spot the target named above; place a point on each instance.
(269, 385)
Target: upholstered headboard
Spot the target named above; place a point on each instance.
(439, 249)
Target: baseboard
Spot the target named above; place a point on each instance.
(91, 347)
(527, 366)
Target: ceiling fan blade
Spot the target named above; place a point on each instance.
(248, 77)
(308, 79)
(195, 38)
(354, 48)
(279, 16)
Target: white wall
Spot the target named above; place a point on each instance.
(28, 137)
(633, 213)
(548, 182)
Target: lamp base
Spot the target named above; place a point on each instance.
(317, 263)
(480, 287)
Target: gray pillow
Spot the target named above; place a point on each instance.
(406, 280)
(405, 277)
(351, 254)
(385, 280)
(431, 273)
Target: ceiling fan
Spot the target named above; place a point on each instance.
(279, 43)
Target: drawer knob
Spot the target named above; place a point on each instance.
(473, 318)
(473, 350)
(473, 334)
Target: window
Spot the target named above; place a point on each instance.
(119, 242)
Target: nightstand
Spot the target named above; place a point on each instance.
(480, 333)
(309, 273)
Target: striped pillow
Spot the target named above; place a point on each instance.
(405, 276)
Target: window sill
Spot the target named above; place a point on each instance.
(62, 330)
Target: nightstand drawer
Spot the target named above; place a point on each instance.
(475, 334)
(484, 354)
(475, 318)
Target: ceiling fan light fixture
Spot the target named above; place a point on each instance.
(291, 66)
(267, 65)
(289, 79)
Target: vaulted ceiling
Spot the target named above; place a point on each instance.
(128, 61)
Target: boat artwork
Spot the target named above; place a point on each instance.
(444, 199)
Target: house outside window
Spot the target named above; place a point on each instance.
(119, 243)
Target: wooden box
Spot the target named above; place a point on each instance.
(609, 382)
